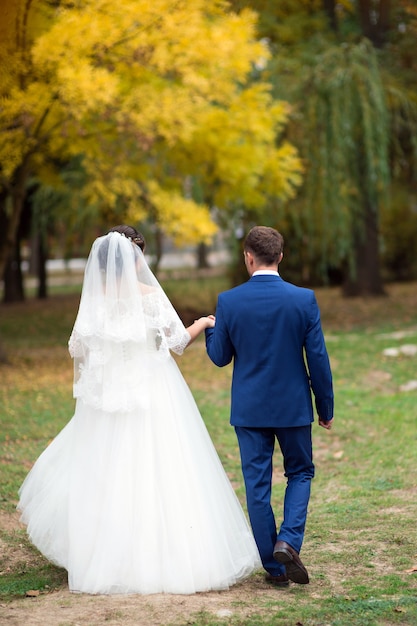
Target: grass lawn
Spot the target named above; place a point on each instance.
(361, 539)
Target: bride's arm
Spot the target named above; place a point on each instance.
(199, 325)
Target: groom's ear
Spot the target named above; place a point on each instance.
(249, 262)
(248, 256)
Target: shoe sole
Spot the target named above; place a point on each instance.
(274, 584)
(294, 572)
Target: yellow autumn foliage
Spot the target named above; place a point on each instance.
(179, 217)
(234, 151)
(143, 94)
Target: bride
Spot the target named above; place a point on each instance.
(131, 497)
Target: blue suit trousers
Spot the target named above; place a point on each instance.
(256, 452)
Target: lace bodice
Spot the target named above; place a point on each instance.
(165, 330)
(111, 373)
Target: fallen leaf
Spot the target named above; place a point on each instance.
(32, 593)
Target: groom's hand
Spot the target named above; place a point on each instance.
(211, 320)
(326, 424)
(208, 321)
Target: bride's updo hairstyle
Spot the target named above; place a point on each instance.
(131, 233)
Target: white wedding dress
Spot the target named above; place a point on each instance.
(131, 496)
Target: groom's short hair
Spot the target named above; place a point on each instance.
(265, 243)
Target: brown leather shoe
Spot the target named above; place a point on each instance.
(277, 581)
(287, 556)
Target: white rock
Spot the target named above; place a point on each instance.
(409, 349)
(391, 352)
(224, 613)
(410, 386)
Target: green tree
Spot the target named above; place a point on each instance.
(348, 70)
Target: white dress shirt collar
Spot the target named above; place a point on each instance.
(265, 273)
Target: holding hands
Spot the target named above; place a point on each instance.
(206, 321)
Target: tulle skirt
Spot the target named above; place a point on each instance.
(139, 502)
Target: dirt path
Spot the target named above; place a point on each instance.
(62, 608)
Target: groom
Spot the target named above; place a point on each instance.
(271, 330)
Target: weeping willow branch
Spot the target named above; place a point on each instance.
(347, 149)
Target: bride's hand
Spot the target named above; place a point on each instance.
(207, 320)
(198, 326)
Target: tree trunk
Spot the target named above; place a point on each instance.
(13, 278)
(202, 252)
(38, 259)
(330, 9)
(15, 198)
(42, 279)
(238, 273)
(375, 20)
(366, 280)
(159, 249)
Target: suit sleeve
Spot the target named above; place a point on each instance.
(319, 365)
(218, 344)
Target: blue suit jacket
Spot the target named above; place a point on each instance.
(271, 330)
